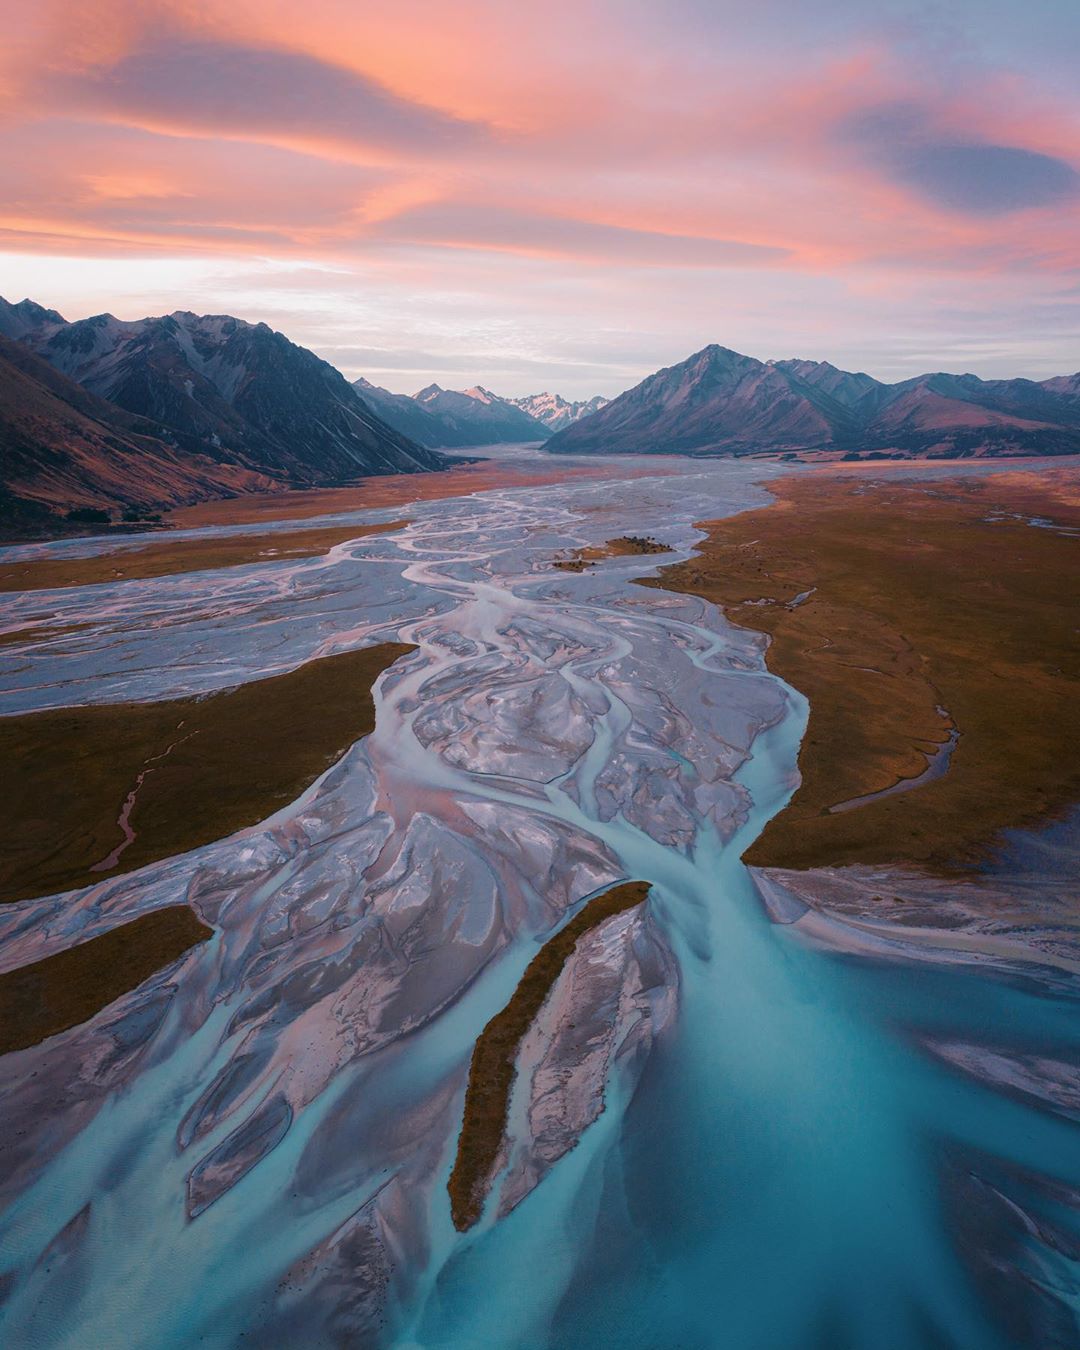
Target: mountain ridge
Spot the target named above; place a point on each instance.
(719, 401)
(215, 405)
(557, 412)
(65, 448)
(454, 418)
(229, 384)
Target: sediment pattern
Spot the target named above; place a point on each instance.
(273, 1117)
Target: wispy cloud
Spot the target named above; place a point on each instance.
(688, 172)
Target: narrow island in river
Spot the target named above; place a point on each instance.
(625, 546)
(921, 618)
(494, 1058)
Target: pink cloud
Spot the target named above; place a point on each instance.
(604, 139)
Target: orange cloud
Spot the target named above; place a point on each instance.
(608, 140)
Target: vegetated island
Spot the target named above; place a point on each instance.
(60, 991)
(494, 1059)
(918, 617)
(100, 790)
(163, 556)
(625, 546)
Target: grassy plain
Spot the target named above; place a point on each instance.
(173, 774)
(913, 596)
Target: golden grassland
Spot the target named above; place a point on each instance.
(51, 995)
(493, 1066)
(163, 556)
(925, 595)
(393, 490)
(199, 768)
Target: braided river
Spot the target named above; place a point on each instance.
(758, 1125)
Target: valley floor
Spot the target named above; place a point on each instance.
(321, 800)
(922, 617)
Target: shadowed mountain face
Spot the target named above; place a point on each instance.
(237, 391)
(17, 321)
(168, 411)
(412, 419)
(720, 402)
(65, 447)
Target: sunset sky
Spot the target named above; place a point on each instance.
(560, 196)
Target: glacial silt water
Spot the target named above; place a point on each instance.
(842, 1139)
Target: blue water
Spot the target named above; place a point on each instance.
(815, 1155)
(779, 1177)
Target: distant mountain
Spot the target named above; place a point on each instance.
(478, 417)
(412, 419)
(557, 412)
(448, 418)
(719, 402)
(64, 447)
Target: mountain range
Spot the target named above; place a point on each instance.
(451, 418)
(719, 402)
(557, 412)
(105, 414)
(217, 405)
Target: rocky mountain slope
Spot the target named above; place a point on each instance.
(721, 402)
(235, 387)
(65, 448)
(412, 419)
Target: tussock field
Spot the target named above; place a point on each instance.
(174, 774)
(912, 613)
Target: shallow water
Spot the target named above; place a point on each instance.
(834, 1143)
